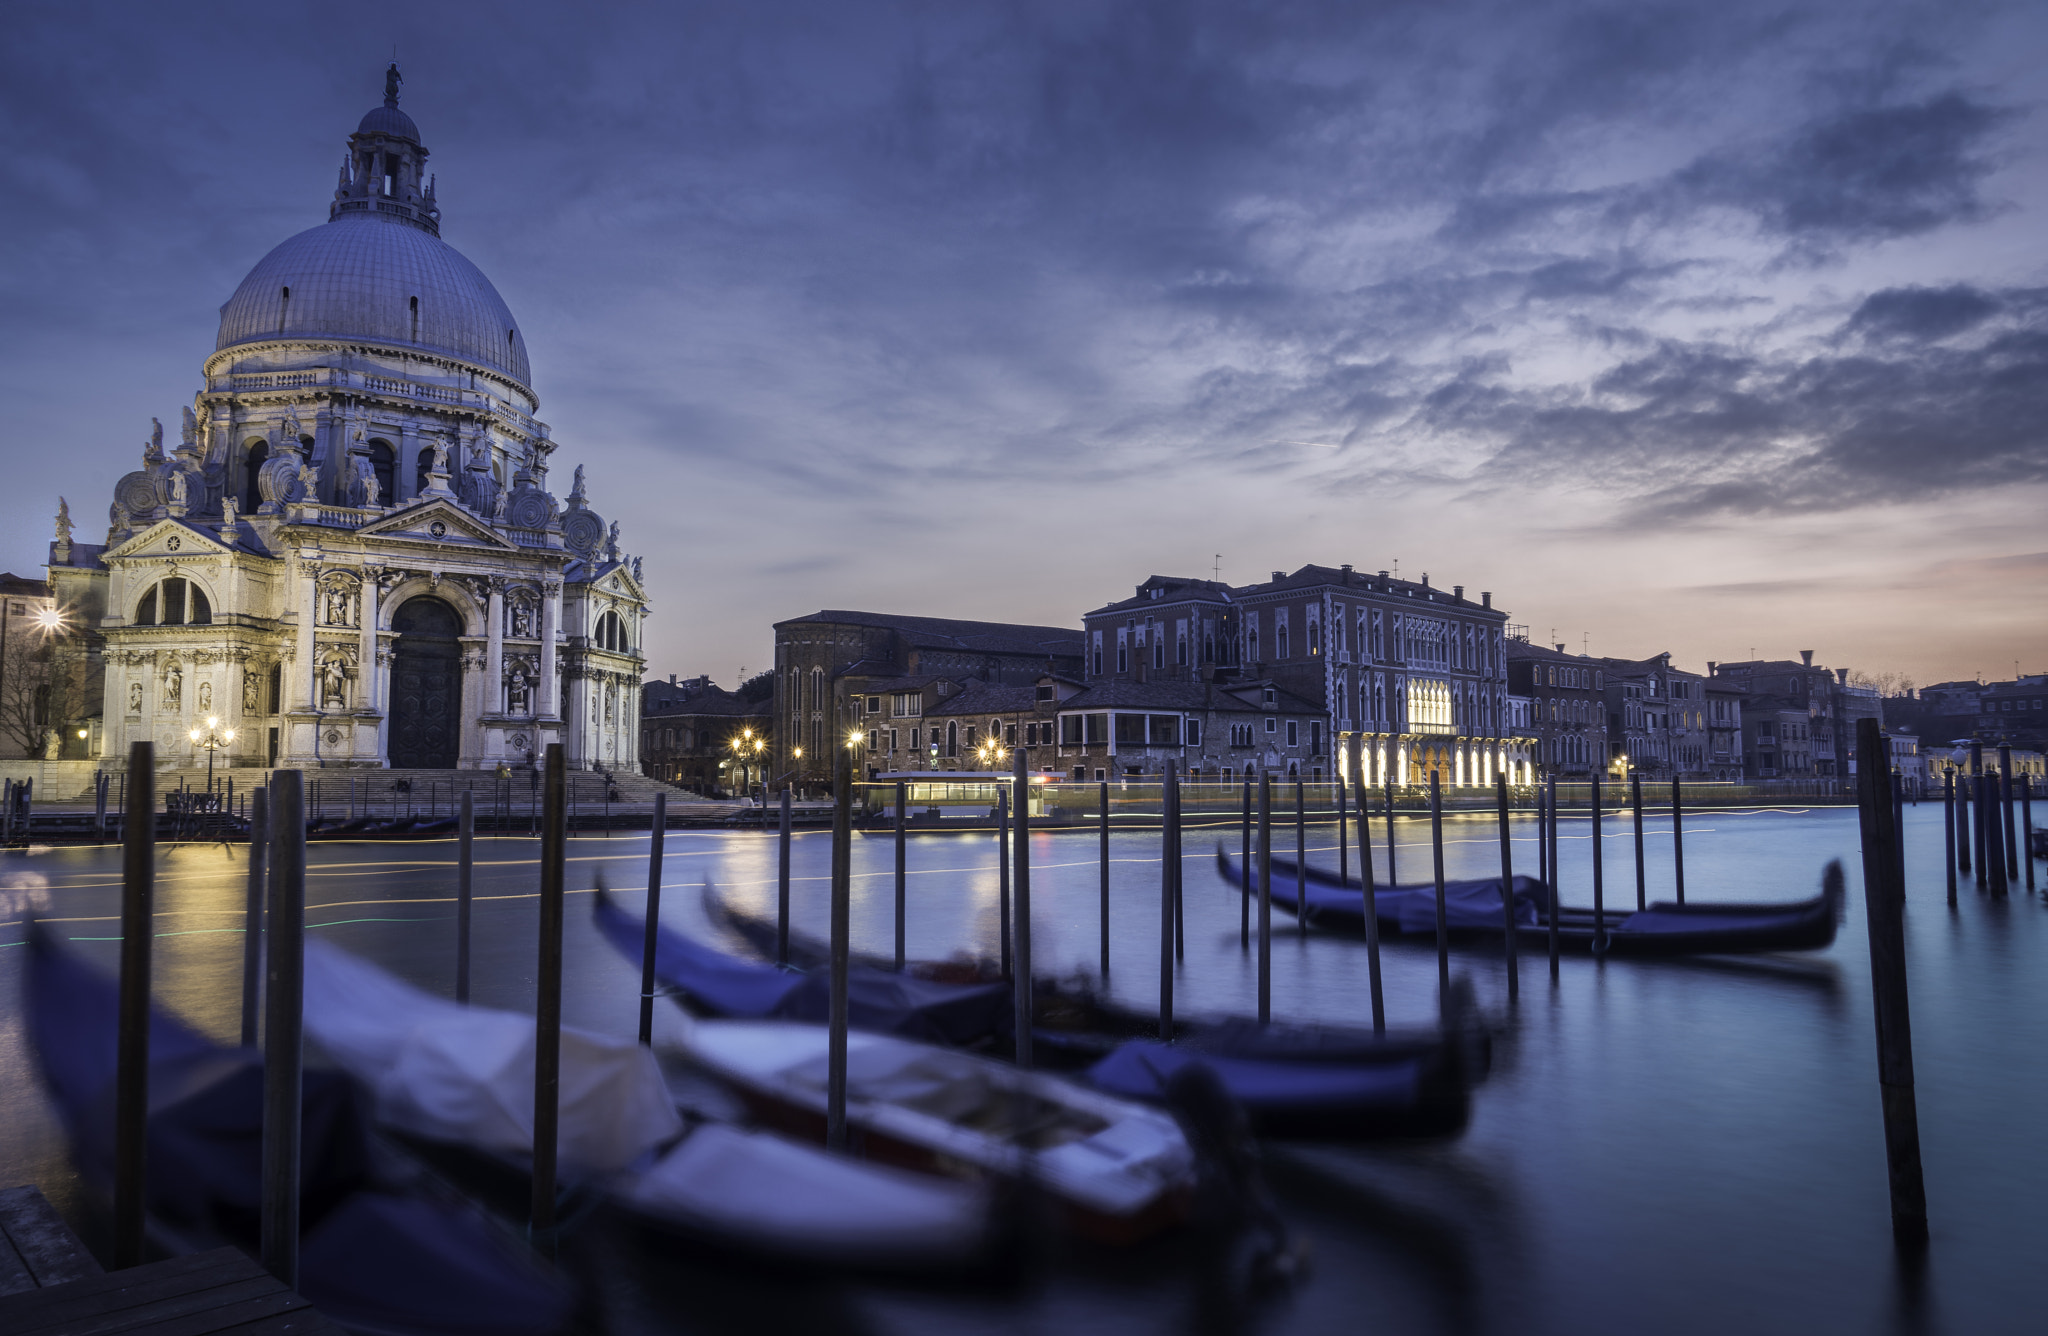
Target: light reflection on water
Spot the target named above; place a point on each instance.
(1675, 1146)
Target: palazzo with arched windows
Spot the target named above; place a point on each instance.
(352, 556)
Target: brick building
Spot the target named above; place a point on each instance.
(700, 736)
(840, 674)
(1567, 696)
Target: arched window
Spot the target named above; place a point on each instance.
(384, 463)
(1315, 637)
(1281, 640)
(952, 739)
(252, 465)
(174, 602)
(611, 632)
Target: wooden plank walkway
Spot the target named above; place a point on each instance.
(50, 1286)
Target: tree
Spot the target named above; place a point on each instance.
(1887, 684)
(35, 691)
(759, 687)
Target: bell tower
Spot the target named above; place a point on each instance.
(385, 171)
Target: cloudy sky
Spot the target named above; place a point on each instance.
(1715, 328)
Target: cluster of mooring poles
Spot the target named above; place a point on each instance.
(1990, 841)
(1988, 823)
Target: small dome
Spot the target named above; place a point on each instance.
(389, 120)
(380, 281)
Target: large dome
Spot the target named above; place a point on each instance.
(379, 281)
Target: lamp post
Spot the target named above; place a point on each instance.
(212, 737)
(747, 749)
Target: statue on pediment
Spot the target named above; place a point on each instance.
(153, 452)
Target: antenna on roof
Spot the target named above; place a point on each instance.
(1216, 567)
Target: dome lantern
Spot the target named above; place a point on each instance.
(385, 172)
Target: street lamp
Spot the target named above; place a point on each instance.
(991, 752)
(212, 737)
(747, 749)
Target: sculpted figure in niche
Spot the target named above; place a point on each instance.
(517, 694)
(522, 619)
(180, 489)
(205, 697)
(135, 698)
(249, 690)
(333, 687)
(340, 607)
(174, 688)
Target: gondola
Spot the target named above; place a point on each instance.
(1473, 909)
(1290, 1080)
(383, 1250)
(462, 1076)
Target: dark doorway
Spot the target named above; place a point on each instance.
(426, 686)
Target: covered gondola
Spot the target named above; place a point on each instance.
(1473, 908)
(1290, 1080)
(383, 1248)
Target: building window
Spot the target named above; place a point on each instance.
(1293, 733)
(174, 602)
(1123, 656)
(1158, 650)
(1280, 639)
(1272, 725)
(1194, 727)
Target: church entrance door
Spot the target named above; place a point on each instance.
(426, 686)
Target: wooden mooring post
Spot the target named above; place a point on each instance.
(1443, 930)
(902, 876)
(1599, 885)
(841, 932)
(1265, 898)
(1300, 859)
(1103, 860)
(1948, 830)
(1959, 785)
(283, 1027)
(1509, 931)
(547, 1045)
(1994, 838)
(2027, 827)
(1180, 906)
(1003, 879)
(1393, 871)
(1343, 832)
(1021, 896)
(131, 1072)
(1980, 800)
(2005, 811)
(1167, 916)
(1678, 838)
(465, 870)
(1635, 778)
(782, 875)
(1244, 907)
(1884, 898)
(252, 911)
(1372, 917)
(651, 924)
(1550, 842)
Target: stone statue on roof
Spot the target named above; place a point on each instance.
(63, 520)
(153, 453)
(392, 78)
(576, 489)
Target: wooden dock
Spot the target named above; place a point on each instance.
(51, 1286)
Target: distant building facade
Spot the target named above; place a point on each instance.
(699, 736)
(842, 674)
(1567, 696)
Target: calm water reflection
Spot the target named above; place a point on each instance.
(1680, 1147)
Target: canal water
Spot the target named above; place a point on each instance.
(1662, 1146)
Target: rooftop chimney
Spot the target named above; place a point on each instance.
(1842, 676)
(1711, 665)
(671, 679)
(1560, 647)
(1425, 579)
(1279, 575)
(1806, 655)
(1458, 591)
(1347, 572)
(1383, 575)
(1485, 598)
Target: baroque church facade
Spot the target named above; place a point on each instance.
(351, 555)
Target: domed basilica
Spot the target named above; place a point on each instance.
(351, 555)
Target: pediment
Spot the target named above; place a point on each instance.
(172, 540)
(619, 582)
(438, 522)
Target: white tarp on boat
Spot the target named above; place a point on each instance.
(465, 1074)
(761, 1189)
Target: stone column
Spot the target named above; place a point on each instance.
(494, 649)
(370, 685)
(547, 700)
(469, 748)
(300, 691)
